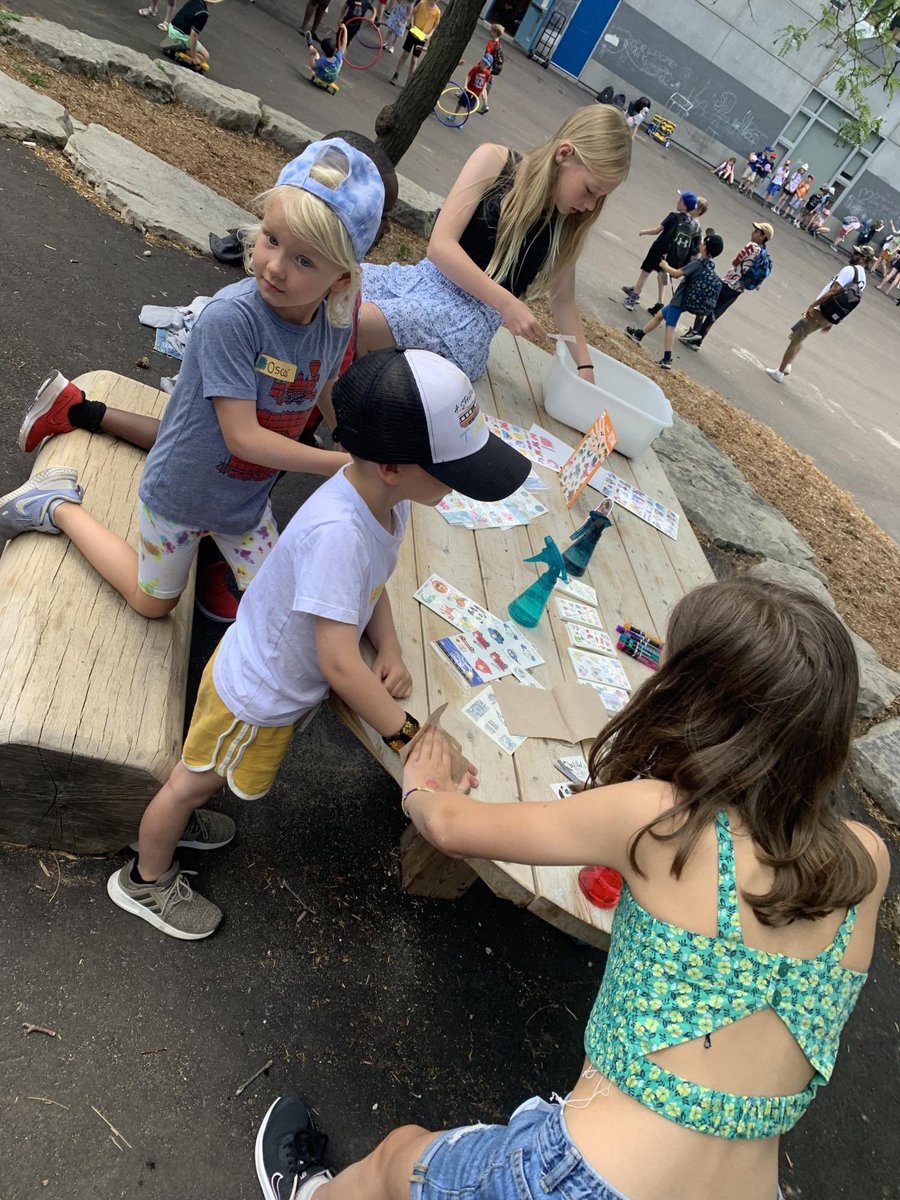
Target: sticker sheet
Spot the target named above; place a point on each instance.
(588, 457)
(485, 712)
(526, 442)
(581, 591)
(518, 509)
(633, 500)
(571, 610)
(487, 631)
(476, 666)
(585, 637)
(574, 767)
(614, 699)
(552, 446)
(594, 668)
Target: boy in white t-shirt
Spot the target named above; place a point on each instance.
(411, 423)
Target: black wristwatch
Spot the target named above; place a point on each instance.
(404, 735)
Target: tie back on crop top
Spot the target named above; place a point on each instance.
(664, 986)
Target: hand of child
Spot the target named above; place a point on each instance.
(520, 320)
(428, 765)
(391, 670)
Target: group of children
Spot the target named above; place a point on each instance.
(710, 793)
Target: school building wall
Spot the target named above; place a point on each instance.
(722, 56)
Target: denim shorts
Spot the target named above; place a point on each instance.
(531, 1158)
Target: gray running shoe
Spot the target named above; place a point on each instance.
(30, 507)
(169, 904)
(206, 830)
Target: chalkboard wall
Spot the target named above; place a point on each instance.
(658, 65)
(870, 198)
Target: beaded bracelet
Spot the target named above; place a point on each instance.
(406, 795)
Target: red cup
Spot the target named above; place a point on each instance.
(601, 885)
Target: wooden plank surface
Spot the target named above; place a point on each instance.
(91, 693)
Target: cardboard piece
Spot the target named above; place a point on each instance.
(568, 712)
(459, 764)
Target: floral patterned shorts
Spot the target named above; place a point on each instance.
(166, 551)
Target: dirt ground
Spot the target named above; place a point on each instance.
(862, 562)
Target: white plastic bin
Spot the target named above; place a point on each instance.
(637, 406)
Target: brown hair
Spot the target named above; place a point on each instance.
(752, 708)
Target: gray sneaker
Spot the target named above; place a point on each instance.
(170, 904)
(30, 507)
(206, 830)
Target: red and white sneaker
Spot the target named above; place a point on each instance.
(49, 411)
(217, 594)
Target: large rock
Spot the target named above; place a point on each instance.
(416, 208)
(718, 499)
(28, 114)
(879, 686)
(68, 50)
(875, 759)
(229, 108)
(285, 131)
(149, 193)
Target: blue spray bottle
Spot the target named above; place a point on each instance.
(527, 607)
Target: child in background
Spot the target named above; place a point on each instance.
(476, 82)
(352, 10)
(495, 50)
(151, 11)
(326, 66)
(184, 29)
(637, 111)
(817, 222)
(740, 943)
(748, 178)
(679, 226)
(725, 170)
(262, 353)
(787, 193)
(781, 173)
(397, 23)
(848, 225)
(711, 248)
(414, 431)
(798, 199)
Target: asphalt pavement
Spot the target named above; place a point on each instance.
(840, 406)
(381, 1008)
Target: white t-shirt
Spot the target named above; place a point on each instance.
(844, 276)
(333, 561)
(637, 119)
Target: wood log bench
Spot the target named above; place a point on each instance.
(91, 694)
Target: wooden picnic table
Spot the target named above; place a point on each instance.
(639, 575)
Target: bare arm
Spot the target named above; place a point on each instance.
(650, 232)
(342, 35)
(672, 272)
(444, 250)
(337, 649)
(568, 318)
(325, 405)
(247, 439)
(388, 666)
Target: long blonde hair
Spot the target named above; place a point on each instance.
(602, 143)
(311, 219)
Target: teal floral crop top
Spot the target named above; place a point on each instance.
(664, 986)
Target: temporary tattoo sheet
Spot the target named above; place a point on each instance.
(581, 591)
(585, 637)
(476, 666)
(594, 668)
(571, 610)
(588, 457)
(518, 509)
(486, 714)
(633, 500)
(482, 628)
(614, 699)
(526, 442)
(574, 767)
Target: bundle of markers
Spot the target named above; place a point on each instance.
(642, 647)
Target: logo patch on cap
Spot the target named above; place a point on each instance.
(468, 414)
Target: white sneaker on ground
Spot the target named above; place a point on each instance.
(775, 374)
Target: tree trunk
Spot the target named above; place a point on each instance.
(397, 124)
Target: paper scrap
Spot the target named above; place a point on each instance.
(567, 712)
(459, 764)
(588, 457)
(485, 712)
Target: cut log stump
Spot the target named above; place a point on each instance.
(91, 694)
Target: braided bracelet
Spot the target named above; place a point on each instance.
(406, 795)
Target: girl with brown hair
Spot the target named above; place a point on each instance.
(740, 942)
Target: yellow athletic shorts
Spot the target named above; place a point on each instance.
(246, 756)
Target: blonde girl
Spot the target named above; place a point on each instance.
(511, 229)
(740, 943)
(262, 353)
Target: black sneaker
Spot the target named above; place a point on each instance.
(309, 37)
(666, 364)
(654, 309)
(693, 340)
(289, 1149)
(636, 335)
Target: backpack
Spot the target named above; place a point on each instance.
(498, 61)
(754, 274)
(606, 96)
(702, 291)
(681, 242)
(842, 303)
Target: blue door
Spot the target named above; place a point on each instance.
(582, 34)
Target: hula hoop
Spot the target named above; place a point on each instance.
(374, 43)
(452, 117)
